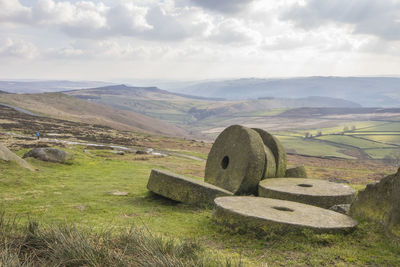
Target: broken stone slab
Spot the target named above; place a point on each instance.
(296, 172)
(49, 154)
(8, 155)
(236, 161)
(380, 202)
(266, 214)
(314, 192)
(184, 189)
(277, 150)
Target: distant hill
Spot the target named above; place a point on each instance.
(62, 106)
(152, 93)
(308, 112)
(32, 87)
(3, 92)
(368, 91)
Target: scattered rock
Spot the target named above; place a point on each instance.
(341, 208)
(266, 214)
(49, 154)
(119, 152)
(117, 193)
(296, 172)
(381, 202)
(277, 150)
(236, 161)
(183, 189)
(7, 155)
(314, 192)
(81, 207)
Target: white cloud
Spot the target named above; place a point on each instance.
(373, 17)
(17, 48)
(12, 11)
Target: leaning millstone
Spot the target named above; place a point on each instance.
(236, 161)
(277, 150)
(380, 202)
(266, 214)
(270, 164)
(183, 189)
(296, 172)
(314, 192)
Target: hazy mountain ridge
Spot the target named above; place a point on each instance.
(150, 92)
(32, 87)
(368, 91)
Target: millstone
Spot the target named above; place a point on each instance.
(277, 150)
(236, 161)
(270, 164)
(309, 191)
(183, 189)
(266, 214)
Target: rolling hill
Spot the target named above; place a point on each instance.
(368, 91)
(62, 106)
(188, 110)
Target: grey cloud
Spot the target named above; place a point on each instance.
(224, 6)
(374, 17)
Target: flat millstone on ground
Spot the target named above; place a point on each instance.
(315, 192)
(184, 189)
(266, 214)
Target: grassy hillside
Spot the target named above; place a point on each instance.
(81, 194)
(61, 106)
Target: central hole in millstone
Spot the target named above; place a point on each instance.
(305, 185)
(283, 209)
(225, 162)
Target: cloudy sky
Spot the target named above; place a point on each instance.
(198, 39)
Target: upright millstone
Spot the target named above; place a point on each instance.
(236, 161)
(277, 150)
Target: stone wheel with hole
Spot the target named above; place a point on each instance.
(266, 215)
(236, 161)
(277, 150)
(309, 191)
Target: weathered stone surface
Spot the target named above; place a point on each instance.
(49, 154)
(381, 202)
(266, 214)
(308, 191)
(270, 164)
(342, 208)
(277, 150)
(236, 161)
(183, 189)
(8, 155)
(296, 172)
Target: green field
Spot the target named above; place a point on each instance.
(352, 141)
(79, 194)
(311, 147)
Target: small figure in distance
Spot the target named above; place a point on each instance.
(38, 135)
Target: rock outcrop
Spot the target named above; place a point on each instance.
(8, 155)
(381, 202)
(49, 154)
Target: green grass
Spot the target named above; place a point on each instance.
(381, 153)
(311, 147)
(352, 141)
(384, 138)
(386, 127)
(77, 194)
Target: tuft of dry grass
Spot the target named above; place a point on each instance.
(32, 245)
